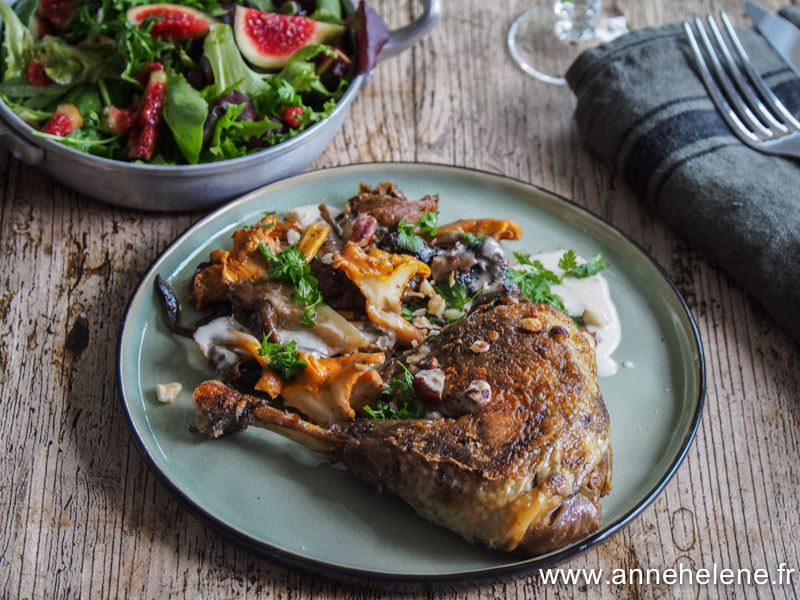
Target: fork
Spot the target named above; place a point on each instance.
(750, 108)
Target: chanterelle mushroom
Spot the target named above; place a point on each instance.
(382, 277)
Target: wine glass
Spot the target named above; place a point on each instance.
(545, 39)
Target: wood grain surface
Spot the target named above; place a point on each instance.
(82, 517)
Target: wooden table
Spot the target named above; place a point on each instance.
(82, 517)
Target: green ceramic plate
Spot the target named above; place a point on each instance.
(279, 499)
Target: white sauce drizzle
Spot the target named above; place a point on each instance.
(223, 337)
(309, 213)
(590, 293)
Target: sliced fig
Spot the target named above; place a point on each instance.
(174, 22)
(57, 12)
(118, 120)
(268, 40)
(64, 121)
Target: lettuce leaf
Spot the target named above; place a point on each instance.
(265, 5)
(65, 63)
(231, 135)
(17, 43)
(301, 71)
(185, 113)
(230, 70)
(329, 11)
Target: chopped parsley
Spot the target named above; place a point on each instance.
(457, 295)
(291, 265)
(282, 358)
(397, 400)
(535, 283)
(569, 262)
(471, 239)
(408, 311)
(407, 239)
(429, 223)
(407, 236)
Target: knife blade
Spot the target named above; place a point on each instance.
(782, 35)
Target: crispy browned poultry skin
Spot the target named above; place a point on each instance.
(522, 472)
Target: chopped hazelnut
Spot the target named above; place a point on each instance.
(451, 314)
(436, 306)
(363, 230)
(479, 392)
(428, 385)
(590, 317)
(480, 346)
(167, 392)
(426, 288)
(531, 324)
(421, 323)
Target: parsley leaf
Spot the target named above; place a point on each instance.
(457, 295)
(403, 405)
(535, 282)
(291, 265)
(593, 267)
(471, 239)
(407, 239)
(568, 261)
(429, 223)
(282, 358)
(408, 311)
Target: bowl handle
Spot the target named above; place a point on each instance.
(19, 147)
(405, 37)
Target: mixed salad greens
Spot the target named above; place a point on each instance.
(168, 84)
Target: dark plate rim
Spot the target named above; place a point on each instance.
(353, 574)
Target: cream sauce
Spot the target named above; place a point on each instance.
(592, 294)
(220, 342)
(309, 213)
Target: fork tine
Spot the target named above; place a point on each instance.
(731, 118)
(735, 72)
(733, 97)
(766, 93)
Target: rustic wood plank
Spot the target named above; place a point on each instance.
(82, 517)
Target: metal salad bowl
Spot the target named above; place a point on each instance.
(193, 187)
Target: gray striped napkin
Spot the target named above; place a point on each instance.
(644, 111)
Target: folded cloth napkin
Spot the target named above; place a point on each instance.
(644, 110)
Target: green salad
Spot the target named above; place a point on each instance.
(192, 82)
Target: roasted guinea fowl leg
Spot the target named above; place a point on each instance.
(222, 410)
(523, 456)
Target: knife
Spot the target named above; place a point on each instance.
(780, 33)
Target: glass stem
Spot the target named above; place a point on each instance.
(576, 18)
